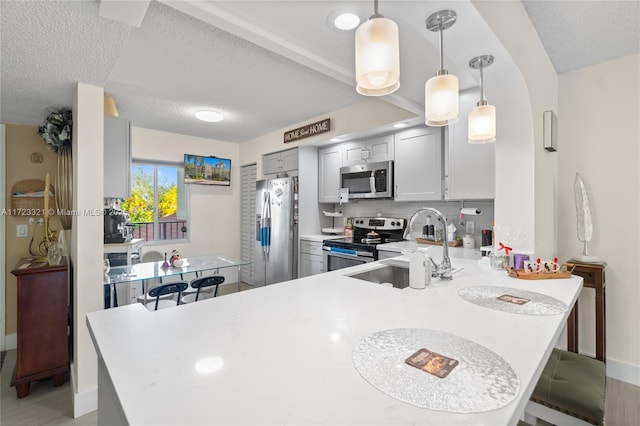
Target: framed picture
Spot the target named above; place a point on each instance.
(210, 170)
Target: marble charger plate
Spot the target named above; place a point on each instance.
(482, 381)
(539, 304)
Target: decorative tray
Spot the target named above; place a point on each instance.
(521, 274)
(456, 243)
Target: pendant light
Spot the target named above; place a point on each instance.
(482, 119)
(441, 91)
(110, 106)
(377, 56)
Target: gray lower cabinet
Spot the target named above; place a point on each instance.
(310, 258)
(384, 254)
(418, 164)
(117, 157)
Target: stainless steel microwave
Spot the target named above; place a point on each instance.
(372, 180)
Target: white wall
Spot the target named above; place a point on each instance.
(214, 211)
(86, 238)
(598, 137)
(525, 173)
(598, 132)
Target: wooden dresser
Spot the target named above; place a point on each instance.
(43, 297)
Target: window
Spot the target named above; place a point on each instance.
(159, 201)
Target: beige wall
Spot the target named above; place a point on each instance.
(214, 211)
(365, 115)
(598, 123)
(21, 142)
(86, 238)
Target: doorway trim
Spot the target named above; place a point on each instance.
(3, 224)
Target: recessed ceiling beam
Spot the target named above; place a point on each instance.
(129, 12)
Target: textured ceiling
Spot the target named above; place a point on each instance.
(179, 65)
(577, 34)
(265, 64)
(49, 46)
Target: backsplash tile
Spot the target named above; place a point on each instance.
(390, 208)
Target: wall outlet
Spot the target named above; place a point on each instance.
(22, 230)
(470, 227)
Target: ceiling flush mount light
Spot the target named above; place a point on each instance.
(482, 119)
(343, 19)
(346, 21)
(377, 56)
(209, 116)
(441, 91)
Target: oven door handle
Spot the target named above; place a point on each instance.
(348, 252)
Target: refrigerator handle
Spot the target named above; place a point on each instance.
(258, 220)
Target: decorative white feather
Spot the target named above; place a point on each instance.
(583, 210)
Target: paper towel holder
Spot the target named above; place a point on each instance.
(473, 211)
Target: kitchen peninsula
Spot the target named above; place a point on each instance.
(284, 354)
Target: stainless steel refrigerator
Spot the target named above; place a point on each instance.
(275, 248)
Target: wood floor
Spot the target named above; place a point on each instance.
(46, 405)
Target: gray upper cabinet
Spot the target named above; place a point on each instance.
(371, 150)
(470, 169)
(281, 161)
(418, 164)
(117, 157)
(329, 163)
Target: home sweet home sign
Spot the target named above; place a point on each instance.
(312, 129)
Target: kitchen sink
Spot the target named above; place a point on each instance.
(397, 276)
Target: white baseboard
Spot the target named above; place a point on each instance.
(10, 342)
(84, 402)
(623, 371)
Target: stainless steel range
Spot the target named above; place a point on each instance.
(368, 232)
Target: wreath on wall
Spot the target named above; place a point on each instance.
(56, 130)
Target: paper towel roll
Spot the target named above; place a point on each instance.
(470, 210)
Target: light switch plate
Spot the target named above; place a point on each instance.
(22, 231)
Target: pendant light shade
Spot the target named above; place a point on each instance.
(482, 124)
(482, 119)
(377, 56)
(441, 91)
(110, 106)
(441, 100)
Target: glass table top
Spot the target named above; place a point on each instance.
(151, 270)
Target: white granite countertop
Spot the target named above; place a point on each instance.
(320, 237)
(433, 250)
(283, 354)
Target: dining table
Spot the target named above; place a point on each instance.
(146, 271)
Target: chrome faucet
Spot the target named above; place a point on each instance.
(443, 271)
